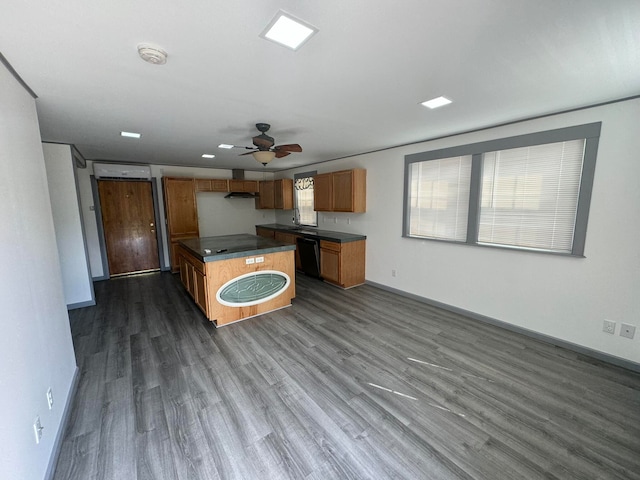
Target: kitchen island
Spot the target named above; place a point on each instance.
(234, 277)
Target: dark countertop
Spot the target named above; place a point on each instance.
(232, 246)
(311, 232)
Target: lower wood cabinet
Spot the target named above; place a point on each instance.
(291, 239)
(193, 277)
(343, 264)
(265, 232)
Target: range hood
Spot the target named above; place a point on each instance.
(238, 174)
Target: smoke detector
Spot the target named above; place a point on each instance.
(152, 54)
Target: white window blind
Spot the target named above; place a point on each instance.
(529, 196)
(439, 198)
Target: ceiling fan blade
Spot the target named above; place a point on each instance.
(281, 153)
(248, 153)
(292, 147)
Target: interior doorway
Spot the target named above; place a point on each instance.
(129, 226)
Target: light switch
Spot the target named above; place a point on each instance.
(250, 261)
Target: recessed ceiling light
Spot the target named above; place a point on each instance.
(130, 134)
(224, 145)
(288, 31)
(436, 102)
(208, 155)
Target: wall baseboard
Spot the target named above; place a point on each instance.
(605, 357)
(88, 303)
(57, 444)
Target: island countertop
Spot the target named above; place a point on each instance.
(211, 249)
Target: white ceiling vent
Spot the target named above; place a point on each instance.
(110, 170)
(152, 54)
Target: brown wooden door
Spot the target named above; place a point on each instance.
(129, 226)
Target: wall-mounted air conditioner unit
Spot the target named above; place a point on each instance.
(111, 170)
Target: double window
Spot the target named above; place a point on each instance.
(529, 192)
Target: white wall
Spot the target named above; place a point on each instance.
(563, 297)
(216, 215)
(67, 221)
(36, 351)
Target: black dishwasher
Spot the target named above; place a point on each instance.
(309, 256)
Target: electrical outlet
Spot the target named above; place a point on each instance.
(609, 327)
(335, 219)
(348, 221)
(50, 398)
(37, 429)
(393, 273)
(627, 330)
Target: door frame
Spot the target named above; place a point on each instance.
(101, 238)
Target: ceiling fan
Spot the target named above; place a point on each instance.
(264, 149)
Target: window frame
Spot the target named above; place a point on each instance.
(297, 176)
(589, 132)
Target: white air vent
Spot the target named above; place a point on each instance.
(109, 170)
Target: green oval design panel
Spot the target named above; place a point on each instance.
(253, 288)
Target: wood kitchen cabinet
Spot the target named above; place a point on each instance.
(181, 213)
(249, 186)
(343, 264)
(291, 239)
(283, 194)
(322, 193)
(265, 195)
(193, 277)
(212, 185)
(276, 194)
(265, 232)
(342, 191)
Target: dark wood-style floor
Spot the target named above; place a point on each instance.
(342, 385)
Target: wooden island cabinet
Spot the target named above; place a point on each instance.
(234, 277)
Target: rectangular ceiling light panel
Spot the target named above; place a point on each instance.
(288, 31)
(436, 102)
(130, 134)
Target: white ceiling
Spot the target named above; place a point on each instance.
(355, 87)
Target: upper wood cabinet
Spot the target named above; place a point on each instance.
(212, 185)
(265, 195)
(342, 191)
(283, 194)
(322, 193)
(250, 186)
(276, 194)
(181, 213)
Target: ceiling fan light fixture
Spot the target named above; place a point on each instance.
(151, 54)
(289, 31)
(264, 156)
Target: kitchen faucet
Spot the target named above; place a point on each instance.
(296, 216)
